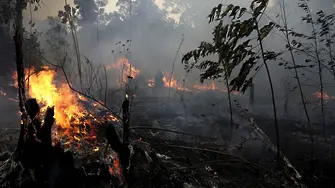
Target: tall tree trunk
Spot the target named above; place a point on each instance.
(76, 46)
(174, 62)
(18, 38)
(302, 97)
(271, 87)
(319, 70)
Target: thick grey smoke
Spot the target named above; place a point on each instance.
(155, 36)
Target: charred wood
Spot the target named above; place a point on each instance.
(121, 149)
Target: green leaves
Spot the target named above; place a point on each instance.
(257, 6)
(217, 14)
(265, 30)
(241, 80)
(231, 45)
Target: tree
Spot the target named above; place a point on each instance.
(233, 47)
(31, 45)
(56, 38)
(70, 16)
(290, 45)
(87, 10)
(7, 54)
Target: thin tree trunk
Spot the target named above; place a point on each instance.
(320, 72)
(302, 97)
(230, 109)
(76, 46)
(252, 95)
(29, 54)
(272, 90)
(174, 62)
(229, 96)
(106, 84)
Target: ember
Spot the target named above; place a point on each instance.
(115, 169)
(3, 93)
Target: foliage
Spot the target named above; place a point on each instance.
(91, 11)
(31, 45)
(56, 33)
(69, 14)
(232, 43)
(6, 12)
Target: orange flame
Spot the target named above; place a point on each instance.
(205, 87)
(151, 82)
(123, 66)
(73, 121)
(173, 84)
(324, 95)
(115, 169)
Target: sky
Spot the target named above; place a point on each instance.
(51, 7)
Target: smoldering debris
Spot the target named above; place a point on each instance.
(169, 158)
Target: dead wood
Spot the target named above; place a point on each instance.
(116, 145)
(40, 164)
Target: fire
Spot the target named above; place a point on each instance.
(66, 103)
(172, 83)
(197, 87)
(96, 149)
(325, 96)
(205, 87)
(115, 169)
(74, 123)
(125, 68)
(151, 82)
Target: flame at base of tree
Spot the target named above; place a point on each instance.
(75, 126)
(73, 121)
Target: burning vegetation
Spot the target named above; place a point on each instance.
(125, 70)
(69, 138)
(74, 122)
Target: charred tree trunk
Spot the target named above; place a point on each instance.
(121, 149)
(18, 38)
(40, 163)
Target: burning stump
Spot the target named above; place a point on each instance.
(37, 162)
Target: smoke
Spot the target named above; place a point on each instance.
(156, 29)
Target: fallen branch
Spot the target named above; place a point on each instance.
(172, 131)
(288, 167)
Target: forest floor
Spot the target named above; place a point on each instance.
(202, 158)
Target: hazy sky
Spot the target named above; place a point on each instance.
(51, 7)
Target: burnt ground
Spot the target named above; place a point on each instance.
(208, 119)
(296, 146)
(183, 160)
